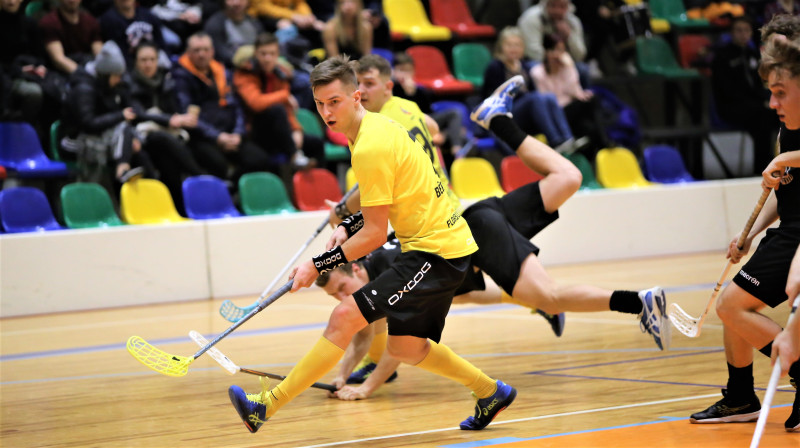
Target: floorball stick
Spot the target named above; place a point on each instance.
(773, 385)
(231, 367)
(691, 326)
(173, 365)
(233, 313)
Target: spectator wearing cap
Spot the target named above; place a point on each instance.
(99, 121)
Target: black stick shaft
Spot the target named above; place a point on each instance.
(275, 376)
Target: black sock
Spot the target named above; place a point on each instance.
(506, 130)
(740, 382)
(794, 371)
(625, 302)
(766, 350)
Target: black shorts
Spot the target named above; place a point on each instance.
(414, 294)
(764, 275)
(503, 228)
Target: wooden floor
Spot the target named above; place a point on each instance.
(67, 381)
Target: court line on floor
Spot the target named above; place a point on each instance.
(632, 380)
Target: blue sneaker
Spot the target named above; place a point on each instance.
(556, 321)
(486, 409)
(654, 319)
(252, 408)
(498, 103)
(361, 375)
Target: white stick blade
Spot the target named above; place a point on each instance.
(685, 323)
(213, 352)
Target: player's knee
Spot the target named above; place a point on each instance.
(346, 318)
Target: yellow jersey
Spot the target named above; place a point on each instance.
(393, 169)
(409, 115)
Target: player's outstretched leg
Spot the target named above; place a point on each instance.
(486, 409)
(653, 318)
(252, 408)
(731, 409)
(556, 321)
(498, 103)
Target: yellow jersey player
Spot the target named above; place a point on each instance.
(398, 186)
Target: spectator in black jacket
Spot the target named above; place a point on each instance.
(232, 28)
(98, 123)
(162, 129)
(22, 68)
(219, 138)
(128, 25)
(740, 96)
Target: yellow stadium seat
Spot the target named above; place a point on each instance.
(147, 201)
(618, 168)
(407, 17)
(474, 178)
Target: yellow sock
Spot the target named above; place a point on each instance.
(378, 346)
(444, 362)
(316, 363)
(505, 298)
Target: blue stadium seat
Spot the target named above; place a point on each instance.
(21, 153)
(25, 209)
(207, 197)
(664, 164)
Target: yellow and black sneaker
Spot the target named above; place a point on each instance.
(486, 409)
(729, 410)
(252, 408)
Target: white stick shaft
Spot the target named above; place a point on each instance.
(762, 417)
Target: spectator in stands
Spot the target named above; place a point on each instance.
(70, 35)
(296, 12)
(162, 130)
(98, 122)
(557, 75)
(180, 17)
(219, 139)
(348, 31)
(452, 134)
(534, 112)
(381, 35)
(739, 95)
(231, 28)
(263, 86)
(22, 70)
(774, 7)
(128, 25)
(498, 13)
(554, 17)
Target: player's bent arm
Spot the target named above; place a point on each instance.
(386, 366)
(371, 236)
(358, 347)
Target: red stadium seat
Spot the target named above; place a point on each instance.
(455, 15)
(431, 71)
(312, 187)
(515, 173)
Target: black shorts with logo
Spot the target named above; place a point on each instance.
(503, 228)
(414, 294)
(764, 276)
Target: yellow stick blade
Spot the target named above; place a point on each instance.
(160, 361)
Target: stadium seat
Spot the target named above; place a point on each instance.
(664, 164)
(263, 193)
(655, 57)
(674, 12)
(589, 181)
(25, 209)
(456, 16)
(384, 53)
(21, 152)
(311, 125)
(470, 61)
(407, 19)
(474, 178)
(618, 168)
(87, 205)
(147, 201)
(207, 197)
(432, 71)
(312, 187)
(514, 173)
(690, 47)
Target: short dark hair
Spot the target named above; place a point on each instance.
(145, 44)
(370, 61)
(265, 38)
(403, 58)
(781, 50)
(324, 278)
(337, 67)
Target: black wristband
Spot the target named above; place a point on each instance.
(342, 211)
(330, 260)
(353, 224)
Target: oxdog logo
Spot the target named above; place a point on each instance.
(356, 226)
(328, 261)
(410, 285)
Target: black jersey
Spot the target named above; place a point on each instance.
(380, 260)
(789, 194)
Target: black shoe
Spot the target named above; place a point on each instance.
(486, 409)
(556, 321)
(729, 411)
(793, 422)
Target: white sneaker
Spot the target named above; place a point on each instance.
(654, 319)
(498, 103)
